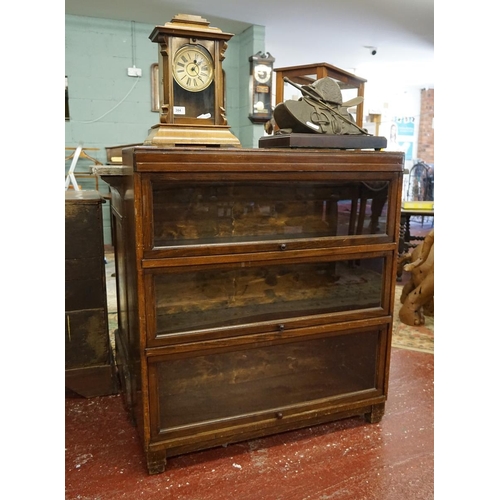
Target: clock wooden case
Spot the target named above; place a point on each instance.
(254, 294)
(190, 55)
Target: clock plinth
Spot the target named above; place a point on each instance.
(191, 135)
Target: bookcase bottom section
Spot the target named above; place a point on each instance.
(202, 398)
(157, 453)
(208, 387)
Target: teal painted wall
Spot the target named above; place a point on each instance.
(108, 108)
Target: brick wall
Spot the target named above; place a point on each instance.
(426, 131)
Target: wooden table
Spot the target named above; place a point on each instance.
(405, 237)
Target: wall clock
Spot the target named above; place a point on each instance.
(261, 87)
(190, 55)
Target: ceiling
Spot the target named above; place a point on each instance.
(342, 33)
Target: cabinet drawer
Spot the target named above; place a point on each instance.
(204, 391)
(190, 214)
(211, 300)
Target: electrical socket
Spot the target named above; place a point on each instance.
(134, 71)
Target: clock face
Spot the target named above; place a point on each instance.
(262, 73)
(193, 68)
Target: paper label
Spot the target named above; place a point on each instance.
(179, 110)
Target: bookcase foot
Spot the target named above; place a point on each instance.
(376, 414)
(157, 461)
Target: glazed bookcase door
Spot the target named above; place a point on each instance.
(262, 383)
(266, 214)
(199, 302)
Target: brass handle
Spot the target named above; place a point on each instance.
(281, 327)
(279, 415)
(283, 246)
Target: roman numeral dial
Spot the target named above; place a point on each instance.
(193, 68)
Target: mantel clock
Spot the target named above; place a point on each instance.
(261, 85)
(190, 55)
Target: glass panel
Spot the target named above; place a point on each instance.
(194, 104)
(239, 212)
(220, 297)
(222, 385)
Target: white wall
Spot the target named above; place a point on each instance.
(395, 106)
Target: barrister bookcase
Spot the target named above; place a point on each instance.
(255, 290)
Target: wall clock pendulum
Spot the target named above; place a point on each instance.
(190, 55)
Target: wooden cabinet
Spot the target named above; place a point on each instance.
(88, 360)
(255, 290)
